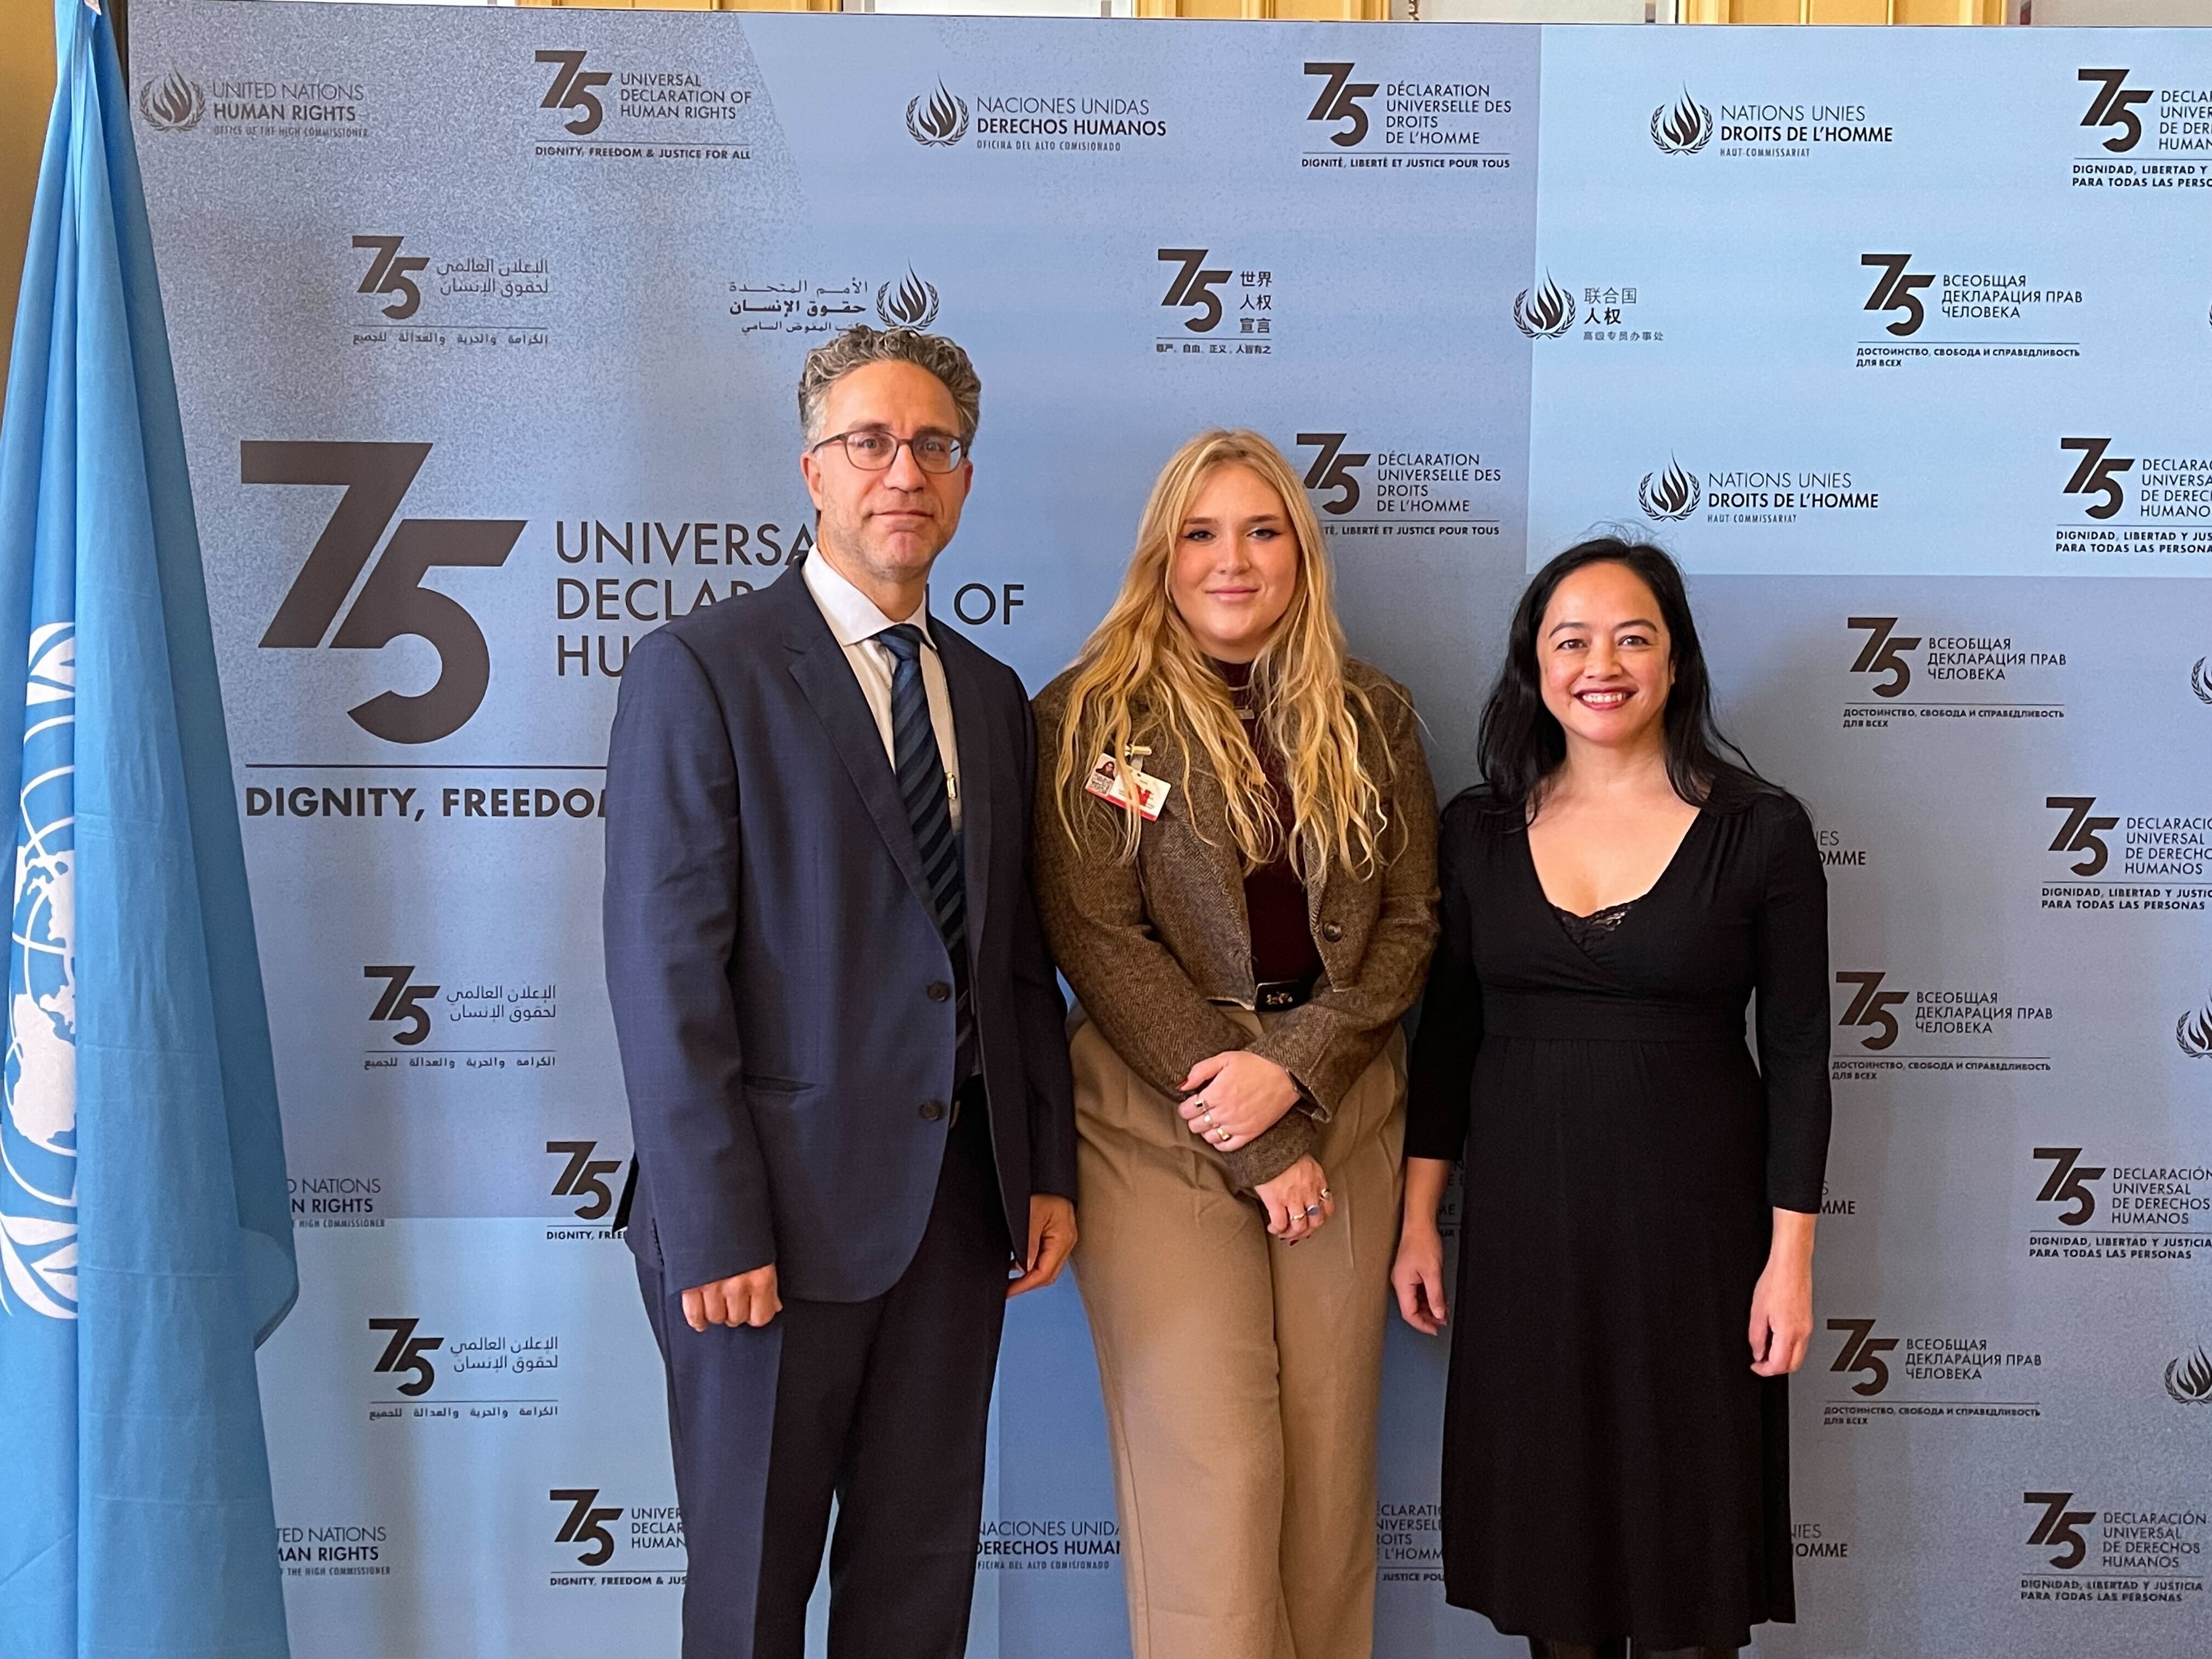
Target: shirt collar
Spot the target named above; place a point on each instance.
(852, 614)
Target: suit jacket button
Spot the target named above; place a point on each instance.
(932, 1109)
(1331, 931)
(939, 990)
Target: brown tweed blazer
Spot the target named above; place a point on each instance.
(1152, 950)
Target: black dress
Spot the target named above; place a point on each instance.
(1612, 1467)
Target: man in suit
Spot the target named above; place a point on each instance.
(841, 1038)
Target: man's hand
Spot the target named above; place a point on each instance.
(1052, 1236)
(748, 1299)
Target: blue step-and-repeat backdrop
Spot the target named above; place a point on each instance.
(487, 324)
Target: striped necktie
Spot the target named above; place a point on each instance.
(921, 785)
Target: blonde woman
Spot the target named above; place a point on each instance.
(1235, 864)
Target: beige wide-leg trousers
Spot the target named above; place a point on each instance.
(1241, 1376)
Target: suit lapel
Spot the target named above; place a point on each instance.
(818, 666)
(971, 735)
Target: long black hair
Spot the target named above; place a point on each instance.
(1521, 742)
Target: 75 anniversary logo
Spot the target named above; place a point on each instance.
(393, 602)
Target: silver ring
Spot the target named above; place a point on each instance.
(1313, 1209)
(1324, 1192)
(1206, 1117)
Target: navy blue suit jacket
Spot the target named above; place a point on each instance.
(771, 952)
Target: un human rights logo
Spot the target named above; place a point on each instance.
(1672, 495)
(2188, 1379)
(909, 303)
(942, 119)
(38, 1131)
(171, 104)
(2193, 1031)
(1683, 130)
(1545, 312)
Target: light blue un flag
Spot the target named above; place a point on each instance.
(145, 1237)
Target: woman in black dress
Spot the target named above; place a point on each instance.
(1636, 1243)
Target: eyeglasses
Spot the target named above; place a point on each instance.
(872, 449)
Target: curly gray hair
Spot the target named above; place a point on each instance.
(860, 345)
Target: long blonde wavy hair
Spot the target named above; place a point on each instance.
(1141, 676)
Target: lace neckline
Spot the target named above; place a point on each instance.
(1603, 920)
(1585, 933)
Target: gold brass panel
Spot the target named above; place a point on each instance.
(1310, 11)
(1843, 11)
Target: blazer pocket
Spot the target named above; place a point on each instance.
(759, 1084)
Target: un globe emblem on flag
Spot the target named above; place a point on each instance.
(37, 1130)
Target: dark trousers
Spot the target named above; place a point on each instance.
(882, 1404)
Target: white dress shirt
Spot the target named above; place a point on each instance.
(855, 620)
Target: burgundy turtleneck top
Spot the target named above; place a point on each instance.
(1275, 896)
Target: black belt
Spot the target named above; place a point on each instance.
(1272, 995)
